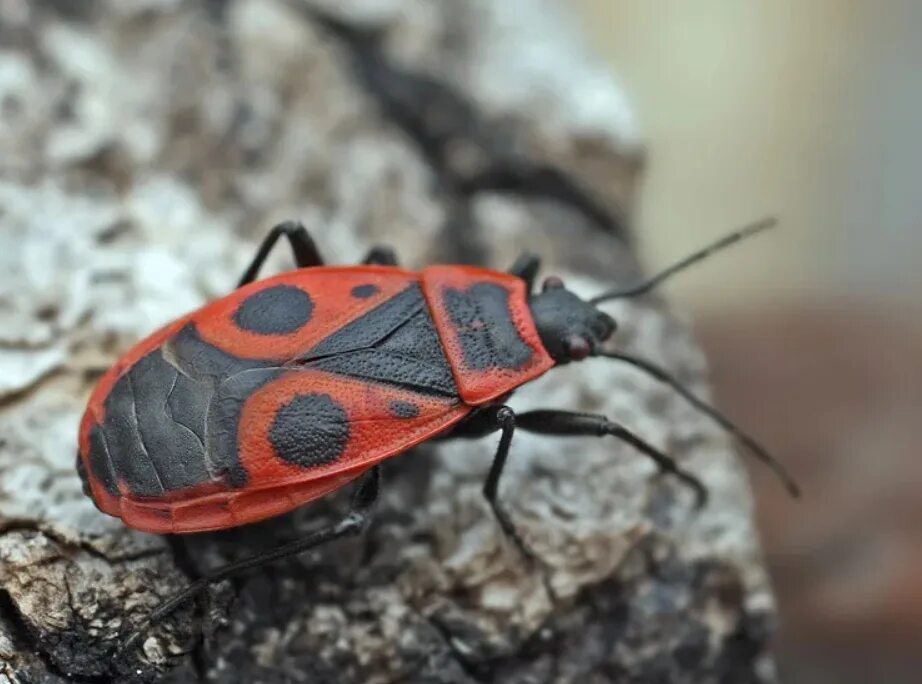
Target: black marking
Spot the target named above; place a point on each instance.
(404, 409)
(154, 435)
(172, 420)
(124, 440)
(100, 463)
(176, 455)
(203, 362)
(311, 430)
(396, 342)
(146, 450)
(365, 291)
(417, 339)
(374, 364)
(277, 310)
(488, 335)
(368, 330)
(84, 478)
(224, 412)
(186, 405)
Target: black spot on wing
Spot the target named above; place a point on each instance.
(489, 338)
(277, 310)
(365, 291)
(311, 430)
(404, 409)
(222, 436)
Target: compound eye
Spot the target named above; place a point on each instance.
(578, 348)
(551, 283)
(608, 326)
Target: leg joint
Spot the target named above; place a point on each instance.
(505, 417)
(354, 523)
(289, 227)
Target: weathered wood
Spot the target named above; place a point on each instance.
(146, 145)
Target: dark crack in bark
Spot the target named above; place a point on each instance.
(69, 546)
(469, 153)
(32, 645)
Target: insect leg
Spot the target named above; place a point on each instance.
(381, 255)
(526, 267)
(302, 246)
(351, 524)
(504, 419)
(568, 423)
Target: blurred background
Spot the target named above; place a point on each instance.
(810, 111)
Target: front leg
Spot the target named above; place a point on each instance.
(485, 421)
(568, 423)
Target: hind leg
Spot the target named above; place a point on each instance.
(302, 246)
(353, 523)
(381, 255)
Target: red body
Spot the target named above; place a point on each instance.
(292, 386)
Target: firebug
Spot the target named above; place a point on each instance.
(295, 385)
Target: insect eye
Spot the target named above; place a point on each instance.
(551, 283)
(608, 326)
(578, 348)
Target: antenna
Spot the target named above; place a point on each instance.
(754, 447)
(665, 274)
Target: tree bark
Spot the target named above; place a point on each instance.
(146, 146)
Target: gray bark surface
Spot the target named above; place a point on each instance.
(146, 146)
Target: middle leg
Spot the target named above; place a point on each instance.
(483, 422)
(504, 418)
(302, 247)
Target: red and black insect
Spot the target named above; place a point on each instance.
(292, 386)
